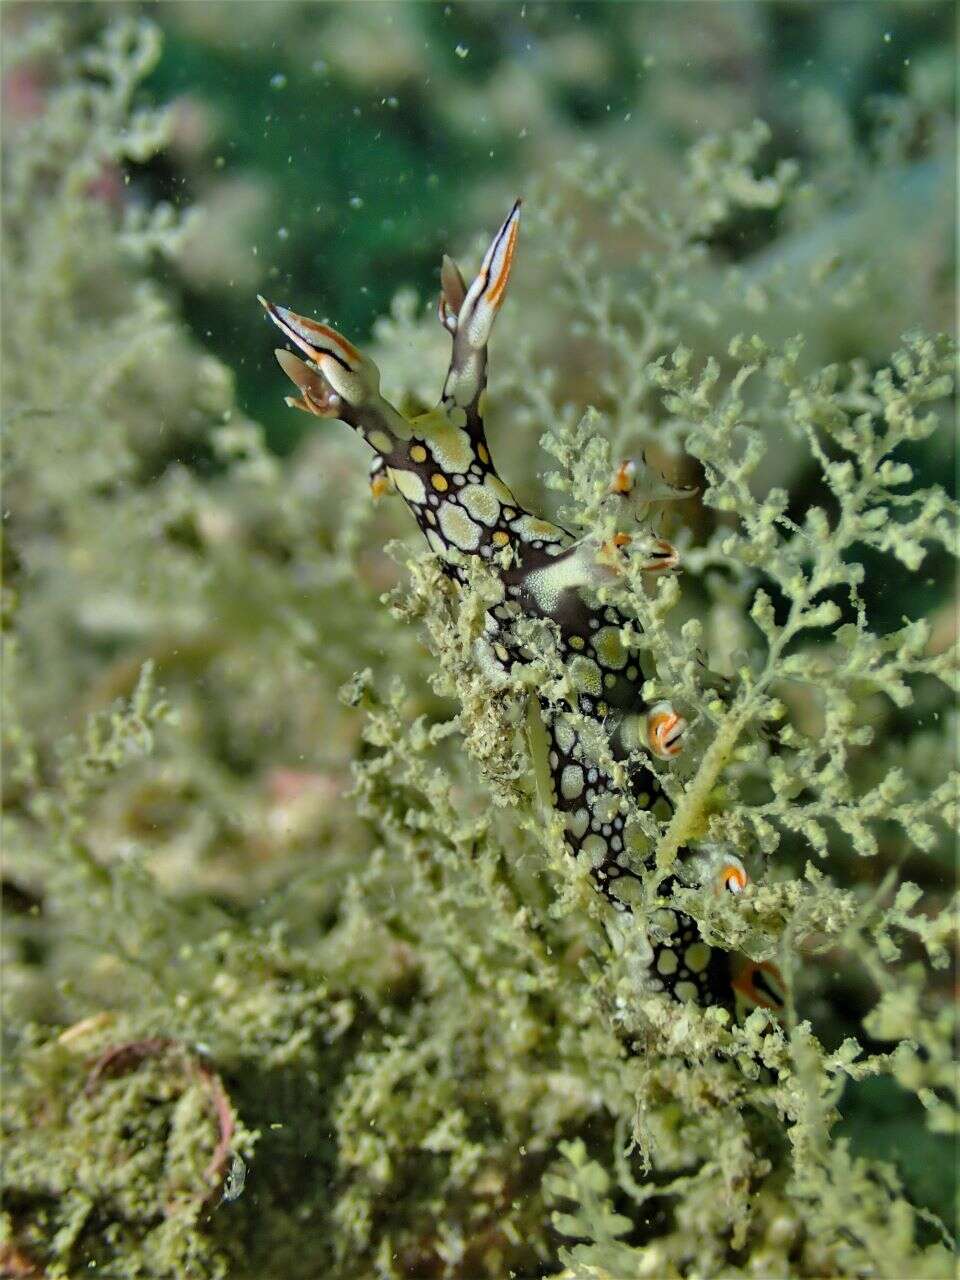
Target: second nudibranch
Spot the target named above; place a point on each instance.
(441, 464)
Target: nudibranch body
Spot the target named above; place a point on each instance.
(441, 465)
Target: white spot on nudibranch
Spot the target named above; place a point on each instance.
(571, 782)
(458, 528)
(408, 484)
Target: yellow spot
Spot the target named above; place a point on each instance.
(501, 652)
(586, 676)
(685, 991)
(439, 481)
(482, 453)
(380, 441)
(576, 642)
(431, 516)
(409, 484)
(500, 538)
(418, 453)
(609, 648)
(665, 919)
(667, 962)
(697, 956)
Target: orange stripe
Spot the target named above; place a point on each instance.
(733, 873)
(336, 340)
(339, 340)
(494, 292)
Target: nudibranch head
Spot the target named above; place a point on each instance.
(334, 368)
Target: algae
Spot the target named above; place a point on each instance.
(279, 893)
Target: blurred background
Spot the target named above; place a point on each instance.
(338, 149)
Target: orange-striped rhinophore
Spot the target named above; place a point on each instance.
(441, 465)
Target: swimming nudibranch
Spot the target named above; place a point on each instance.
(441, 464)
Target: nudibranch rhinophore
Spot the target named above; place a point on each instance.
(441, 464)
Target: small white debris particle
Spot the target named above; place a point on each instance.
(235, 1179)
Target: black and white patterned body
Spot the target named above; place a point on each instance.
(440, 463)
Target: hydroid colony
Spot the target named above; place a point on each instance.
(440, 462)
(345, 935)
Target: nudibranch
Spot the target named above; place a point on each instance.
(441, 465)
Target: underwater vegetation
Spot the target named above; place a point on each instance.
(590, 730)
(300, 978)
